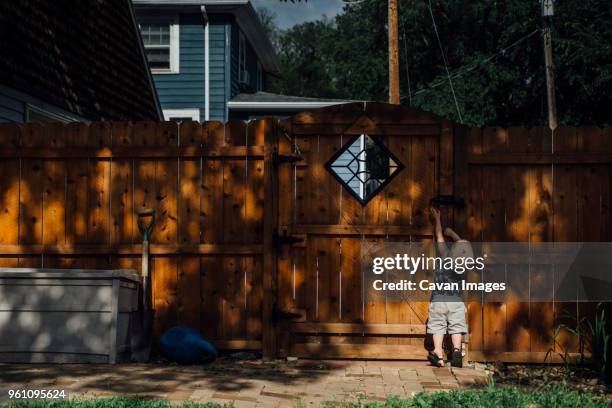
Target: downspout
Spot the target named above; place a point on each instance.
(206, 64)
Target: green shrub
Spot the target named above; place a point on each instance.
(495, 397)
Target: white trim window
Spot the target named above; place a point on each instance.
(180, 115)
(161, 42)
(243, 75)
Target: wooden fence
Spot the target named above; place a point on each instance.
(531, 185)
(69, 194)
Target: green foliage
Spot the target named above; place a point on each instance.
(115, 402)
(592, 335)
(598, 340)
(548, 397)
(347, 58)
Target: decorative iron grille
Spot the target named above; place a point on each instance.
(364, 166)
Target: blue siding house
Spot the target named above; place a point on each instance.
(204, 53)
(211, 60)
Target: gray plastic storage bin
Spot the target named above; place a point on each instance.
(67, 315)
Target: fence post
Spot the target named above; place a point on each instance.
(269, 335)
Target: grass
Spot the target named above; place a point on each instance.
(489, 397)
(496, 397)
(114, 402)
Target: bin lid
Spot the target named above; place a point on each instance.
(31, 273)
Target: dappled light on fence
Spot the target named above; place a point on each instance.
(254, 240)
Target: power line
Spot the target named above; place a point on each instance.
(450, 81)
(463, 70)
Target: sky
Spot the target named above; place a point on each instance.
(289, 14)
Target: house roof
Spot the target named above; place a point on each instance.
(271, 101)
(245, 15)
(84, 56)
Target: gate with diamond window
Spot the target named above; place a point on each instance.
(348, 174)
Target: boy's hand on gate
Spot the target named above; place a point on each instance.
(435, 213)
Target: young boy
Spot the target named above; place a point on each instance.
(446, 309)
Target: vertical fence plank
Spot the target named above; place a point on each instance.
(541, 230)
(234, 313)
(77, 186)
(269, 334)
(54, 194)
(98, 230)
(10, 137)
(211, 226)
(31, 194)
(122, 194)
(234, 216)
(474, 213)
(518, 213)
(211, 307)
(53, 187)
(254, 201)
(189, 296)
(165, 134)
(212, 221)
(99, 186)
(494, 205)
(565, 224)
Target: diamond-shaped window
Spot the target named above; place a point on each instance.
(364, 166)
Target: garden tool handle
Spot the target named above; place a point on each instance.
(146, 228)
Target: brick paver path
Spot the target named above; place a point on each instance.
(250, 383)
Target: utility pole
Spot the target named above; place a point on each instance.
(547, 13)
(394, 86)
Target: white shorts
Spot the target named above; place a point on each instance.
(446, 317)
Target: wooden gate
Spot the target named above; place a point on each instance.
(321, 307)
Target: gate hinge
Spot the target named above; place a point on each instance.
(285, 158)
(285, 239)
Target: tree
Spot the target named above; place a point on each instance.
(347, 58)
(268, 21)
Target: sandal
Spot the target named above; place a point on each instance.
(457, 358)
(435, 359)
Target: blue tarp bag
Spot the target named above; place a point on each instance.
(186, 346)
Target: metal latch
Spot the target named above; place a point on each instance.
(285, 158)
(285, 239)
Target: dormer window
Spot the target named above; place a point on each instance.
(161, 42)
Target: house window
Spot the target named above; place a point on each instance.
(180, 115)
(161, 42)
(259, 76)
(243, 75)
